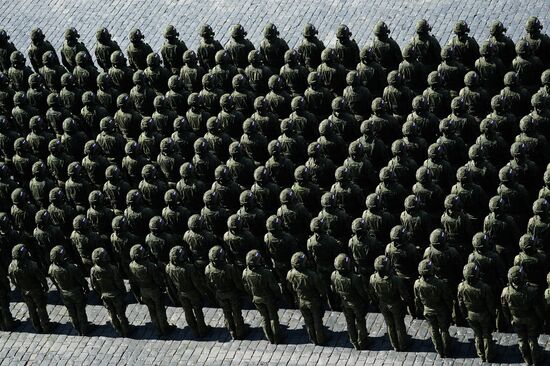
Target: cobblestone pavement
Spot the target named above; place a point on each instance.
(103, 347)
(120, 16)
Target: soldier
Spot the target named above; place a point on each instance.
(259, 281)
(476, 98)
(477, 303)
(208, 47)
(353, 295)
(317, 96)
(159, 241)
(472, 197)
(392, 296)
(22, 112)
(148, 277)
(73, 287)
(242, 95)
(332, 74)
(539, 225)
(538, 41)
(451, 70)
(346, 48)
(122, 241)
(240, 165)
(85, 72)
(521, 305)
(142, 94)
(527, 66)
(294, 215)
(77, 187)
(104, 48)
(273, 47)
(106, 280)
(39, 46)
(157, 74)
(252, 216)
(280, 166)
(214, 214)
(224, 71)
(26, 277)
(401, 165)
(257, 73)
(199, 240)
(226, 283)
(375, 148)
(191, 72)
(379, 222)
(6, 95)
(61, 212)
(71, 47)
(294, 73)
(483, 172)
(264, 190)
(218, 140)
(435, 298)
(360, 168)
(363, 247)
(310, 293)
(84, 241)
(357, 96)
(169, 161)
(386, 126)
(311, 47)
(416, 221)
(175, 103)
(385, 48)
(230, 118)
(152, 187)
(505, 48)
(52, 71)
(40, 185)
(106, 93)
(46, 235)
(189, 286)
(490, 68)
(391, 192)
(190, 187)
(467, 49)
(37, 93)
(239, 241)
(22, 211)
(532, 260)
(175, 214)
(120, 72)
(137, 214)
(137, 50)
(371, 73)
(426, 45)
(172, 50)
(196, 115)
(94, 163)
(7, 323)
(6, 49)
(348, 195)
(239, 47)
(438, 99)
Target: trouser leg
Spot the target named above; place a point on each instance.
(266, 322)
(352, 329)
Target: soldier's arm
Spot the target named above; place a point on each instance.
(237, 279)
(489, 299)
(93, 282)
(504, 304)
(81, 279)
(371, 292)
(417, 299)
(273, 284)
(461, 303)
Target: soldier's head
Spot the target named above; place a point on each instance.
(194, 100)
(92, 149)
(117, 59)
(58, 255)
(511, 79)
(235, 223)
(438, 239)
(222, 58)
(461, 29)
(533, 26)
(239, 83)
(274, 224)
(527, 125)
(132, 149)
(378, 106)
(149, 173)
(138, 253)
(343, 34)
(313, 79)
(516, 277)
(458, 105)
(420, 104)
(447, 127)
(387, 176)
(497, 205)
(261, 105)
(190, 58)
(275, 83)
(302, 175)
(342, 263)
(100, 257)
(35, 81)
(497, 28)
(527, 244)
(518, 151)
(139, 79)
(328, 56)
(187, 171)
(464, 176)
(292, 57)
(309, 31)
(487, 49)
(409, 52)
(254, 259)
(250, 127)
(102, 35)
(37, 37)
(159, 103)
(342, 175)
(448, 53)
(507, 175)
(5, 222)
(216, 256)
(399, 149)
(20, 99)
(382, 265)
(167, 146)
(471, 273)
(545, 78)
(426, 268)
(214, 126)
(314, 150)
(541, 207)
(262, 175)
(37, 124)
(53, 100)
(81, 224)
(39, 170)
(71, 36)
(171, 198)
(247, 200)
(298, 261)
(356, 150)
(318, 226)
(523, 49)
(399, 235)
(56, 196)
(327, 128)
(424, 175)
(453, 204)
(20, 252)
(157, 224)
(477, 153)
(367, 55)
(227, 103)
(394, 78)
(211, 199)
(480, 242)
(471, 79)
(177, 255)
(287, 197)
(352, 79)
(201, 146)
(123, 102)
(270, 31)
(181, 125)
(103, 81)
(359, 227)
(134, 198)
(171, 34)
(21, 146)
(206, 32)
(423, 27)
(373, 202)
(238, 32)
(539, 102)
(82, 59)
(195, 223)
(19, 197)
(135, 36)
(298, 104)
(328, 201)
(119, 224)
(96, 199)
(412, 204)
(42, 219)
(381, 30)
(434, 79)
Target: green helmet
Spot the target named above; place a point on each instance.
(398, 234)
(253, 259)
(471, 272)
(461, 27)
(480, 241)
(19, 252)
(438, 238)
(526, 243)
(533, 24)
(42, 218)
(540, 206)
(342, 262)
(138, 252)
(318, 225)
(80, 223)
(425, 268)
(100, 257)
(516, 276)
(119, 223)
(156, 224)
(274, 223)
(235, 222)
(195, 222)
(216, 254)
(359, 225)
(58, 254)
(287, 196)
(177, 255)
(309, 30)
(381, 264)
(298, 260)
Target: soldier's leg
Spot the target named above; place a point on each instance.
(352, 330)
(361, 324)
(7, 322)
(523, 343)
(83, 323)
(71, 309)
(487, 333)
(478, 338)
(308, 320)
(400, 328)
(317, 313)
(266, 322)
(160, 311)
(228, 317)
(199, 317)
(152, 311)
(41, 301)
(120, 307)
(274, 320)
(391, 327)
(33, 312)
(435, 334)
(113, 316)
(236, 309)
(533, 331)
(444, 321)
(189, 314)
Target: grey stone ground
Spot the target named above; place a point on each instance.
(120, 16)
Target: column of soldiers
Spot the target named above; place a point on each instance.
(388, 178)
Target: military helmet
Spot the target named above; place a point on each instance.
(17, 57)
(21, 145)
(253, 258)
(352, 78)
(326, 127)
(394, 78)
(117, 58)
(487, 49)
(411, 202)
(287, 196)
(356, 149)
(381, 264)
(328, 199)
(187, 170)
(189, 56)
(234, 222)
(409, 51)
(398, 233)
(510, 78)
(301, 174)
(398, 147)
(247, 198)
(497, 28)
(270, 30)
(447, 126)
(80, 223)
(298, 103)
(149, 172)
(343, 31)
(20, 98)
(56, 195)
(342, 262)
(367, 54)
(19, 252)
(132, 148)
(506, 174)
(135, 35)
(461, 27)
(523, 48)
(170, 32)
(57, 254)
(342, 174)
(471, 272)
(261, 174)
(36, 123)
(53, 100)
(195, 222)
(35, 80)
(314, 149)
(516, 275)
(38, 169)
(100, 256)
(67, 79)
(139, 77)
(298, 260)
(92, 148)
(37, 35)
(123, 100)
(42, 218)
(327, 55)
(134, 197)
(174, 83)
(533, 24)
(69, 126)
(359, 225)
(194, 100)
(498, 103)
(226, 101)
(274, 223)
(200, 145)
(71, 33)
(526, 242)
(423, 175)
(480, 240)
(216, 254)
(156, 224)
(82, 58)
(419, 103)
(237, 30)
(476, 152)
(171, 197)
(425, 268)
(447, 52)
(434, 78)
(386, 175)
(211, 198)
(138, 252)
(313, 78)
(19, 196)
(176, 254)
(317, 225)
(206, 30)
(102, 34)
(373, 200)
(545, 77)
(95, 197)
(497, 204)
(119, 223)
(222, 57)
(546, 177)
(437, 237)
(471, 79)
(540, 206)
(378, 105)
(422, 26)
(463, 174)
(255, 57)
(381, 28)
(274, 147)
(453, 202)
(527, 124)
(338, 104)
(309, 30)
